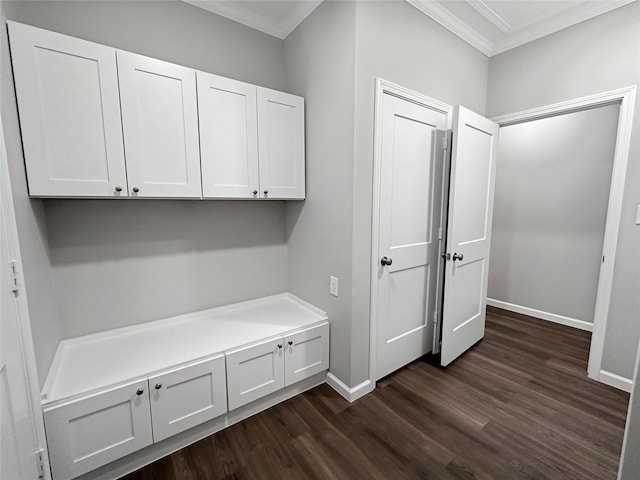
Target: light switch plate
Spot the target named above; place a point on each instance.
(333, 286)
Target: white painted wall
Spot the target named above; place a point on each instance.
(594, 56)
(30, 219)
(116, 263)
(552, 192)
(321, 67)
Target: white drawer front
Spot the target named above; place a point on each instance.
(92, 431)
(188, 396)
(307, 353)
(255, 371)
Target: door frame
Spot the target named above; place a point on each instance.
(385, 87)
(626, 97)
(22, 309)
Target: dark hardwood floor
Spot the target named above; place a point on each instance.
(516, 406)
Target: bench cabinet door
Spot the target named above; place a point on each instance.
(254, 371)
(187, 396)
(306, 353)
(92, 431)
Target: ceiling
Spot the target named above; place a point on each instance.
(491, 26)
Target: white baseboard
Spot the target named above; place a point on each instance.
(350, 394)
(550, 317)
(614, 380)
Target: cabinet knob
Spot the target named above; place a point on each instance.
(279, 345)
(135, 189)
(266, 192)
(158, 386)
(255, 192)
(139, 392)
(290, 342)
(118, 188)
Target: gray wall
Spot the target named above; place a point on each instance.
(551, 197)
(30, 219)
(396, 42)
(320, 66)
(116, 263)
(594, 56)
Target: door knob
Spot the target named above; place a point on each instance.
(385, 261)
(458, 256)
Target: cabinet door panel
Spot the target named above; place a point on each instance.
(281, 144)
(160, 124)
(255, 371)
(306, 353)
(67, 91)
(188, 396)
(87, 433)
(228, 137)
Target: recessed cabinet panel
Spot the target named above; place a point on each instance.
(160, 124)
(255, 371)
(307, 353)
(87, 433)
(187, 396)
(281, 144)
(228, 137)
(67, 91)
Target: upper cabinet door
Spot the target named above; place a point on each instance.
(281, 144)
(160, 124)
(67, 92)
(228, 137)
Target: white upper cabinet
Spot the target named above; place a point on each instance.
(228, 137)
(160, 124)
(67, 91)
(281, 144)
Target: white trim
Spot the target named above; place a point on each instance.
(617, 381)
(517, 35)
(548, 316)
(487, 12)
(580, 12)
(452, 23)
(626, 96)
(233, 10)
(350, 394)
(25, 347)
(156, 451)
(632, 421)
(382, 87)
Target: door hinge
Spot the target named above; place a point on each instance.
(16, 276)
(40, 462)
(445, 141)
(435, 317)
(440, 234)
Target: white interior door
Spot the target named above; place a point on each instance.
(18, 439)
(471, 187)
(160, 125)
(228, 137)
(411, 166)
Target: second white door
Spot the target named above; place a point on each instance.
(412, 161)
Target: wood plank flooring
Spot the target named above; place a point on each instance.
(518, 405)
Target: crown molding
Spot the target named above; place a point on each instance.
(486, 11)
(234, 11)
(567, 18)
(452, 23)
